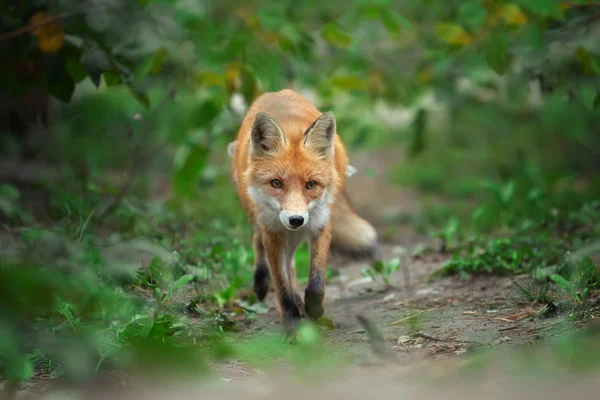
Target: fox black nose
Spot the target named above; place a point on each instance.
(296, 221)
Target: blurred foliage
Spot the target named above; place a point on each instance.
(492, 106)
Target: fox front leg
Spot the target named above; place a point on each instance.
(291, 312)
(315, 291)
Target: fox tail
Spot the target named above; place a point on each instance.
(352, 236)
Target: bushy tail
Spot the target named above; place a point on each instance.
(352, 236)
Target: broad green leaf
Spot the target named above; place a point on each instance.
(393, 22)
(508, 192)
(349, 82)
(453, 34)
(112, 77)
(497, 54)
(205, 114)
(141, 97)
(378, 266)
(334, 35)
(76, 69)
(392, 266)
(562, 282)
(63, 88)
(587, 95)
(18, 368)
(451, 228)
(249, 85)
(472, 14)
(419, 128)
(95, 62)
(146, 329)
(54, 67)
(544, 8)
(187, 174)
(158, 60)
(326, 323)
(181, 282)
(513, 15)
(588, 63)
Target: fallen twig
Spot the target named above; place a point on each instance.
(400, 321)
(437, 339)
(375, 339)
(32, 27)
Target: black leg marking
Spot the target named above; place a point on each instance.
(313, 296)
(261, 281)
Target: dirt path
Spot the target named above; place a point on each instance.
(420, 320)
(436, 319)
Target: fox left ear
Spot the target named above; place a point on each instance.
(319, 136)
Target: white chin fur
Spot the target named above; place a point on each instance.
(315, 217)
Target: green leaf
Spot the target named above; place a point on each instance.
(497, 55)
(18, 369)
(158, 61)
(181, 282)
(54, 67)
(418, 138)
(140, 96)
(187, 174)
(587, 61)
(368, 273)
(348, 82)
(544, 8)
(378, 266)
(334, 35)
(472, 14)
(325, 323)
(95, 62)
(76, 69)
(451, 228)
(587, 95)
(205, 114)
(249, 85)
(392, 266)
(562, 282)
(64, 88)
(393, 22)
(112, 77)
(508, 192)
(146, 329)
(596, 103)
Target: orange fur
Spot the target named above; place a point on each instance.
(288, 163)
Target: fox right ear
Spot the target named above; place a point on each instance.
(266, 137)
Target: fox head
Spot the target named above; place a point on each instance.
(292, 178)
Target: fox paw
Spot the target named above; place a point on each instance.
(313, 302)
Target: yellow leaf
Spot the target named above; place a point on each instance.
(565, 6)
(376, 83)
(425, 75)
(232, 76)
(209, 78)
(50, 37)
(512, 15)
(453, 34)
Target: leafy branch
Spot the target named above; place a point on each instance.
(32, 27)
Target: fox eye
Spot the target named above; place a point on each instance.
(312, 185)
(276, 183)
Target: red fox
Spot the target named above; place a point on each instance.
(289, 167)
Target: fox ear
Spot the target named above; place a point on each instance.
(266, 137)
(319, 136)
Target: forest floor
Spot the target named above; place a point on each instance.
(421, 327)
